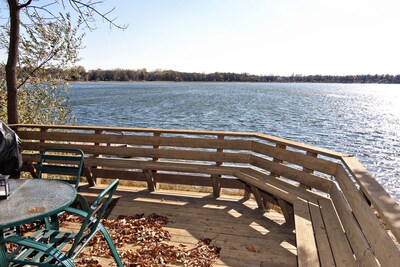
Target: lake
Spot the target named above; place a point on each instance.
(358, 119)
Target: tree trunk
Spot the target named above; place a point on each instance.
(11, 67)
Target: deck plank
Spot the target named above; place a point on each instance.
(307, 248)
(357, 240)
(324, 249)
(340, 246)
(247, 236)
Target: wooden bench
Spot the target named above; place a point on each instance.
(328, 231)
(147, 167)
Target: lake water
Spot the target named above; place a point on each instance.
(358, 119)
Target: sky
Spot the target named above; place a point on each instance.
(262, 37)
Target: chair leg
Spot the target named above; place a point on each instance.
(3, 250)
(111, 245)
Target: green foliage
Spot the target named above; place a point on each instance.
(53, 44)
(40, 104)
(47, 50)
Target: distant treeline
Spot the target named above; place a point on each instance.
(79, 74)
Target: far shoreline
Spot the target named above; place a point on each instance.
(142, 75)
(232, 82)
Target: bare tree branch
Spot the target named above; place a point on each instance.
(52, 15)
(34, 70)
(91, 10)
(27, 3)
(45, 8)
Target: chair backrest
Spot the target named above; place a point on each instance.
(94, 215)
(62, 161)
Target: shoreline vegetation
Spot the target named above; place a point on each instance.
(124, 75)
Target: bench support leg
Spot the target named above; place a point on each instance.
(89, 176)
(268, 199)
(258, 198)
(216, 185)
(287, 211)
(150, 180)
(156, 185)
(32, 170)
(247, 192)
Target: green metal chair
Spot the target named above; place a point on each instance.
(44, 247)
(62, 161)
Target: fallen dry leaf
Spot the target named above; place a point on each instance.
(36, 210)
(252, 248)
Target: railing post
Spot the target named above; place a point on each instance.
(307, 170)
(151, 183)
(156, 146)
(42, 141)
(278, 160)
(92, 179)
(34, 170)
(216, 178)
(311, 154)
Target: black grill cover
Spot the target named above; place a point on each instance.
(10, 152)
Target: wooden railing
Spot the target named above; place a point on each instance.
(125, 152)
(225, 160)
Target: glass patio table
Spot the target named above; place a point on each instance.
(30, 200)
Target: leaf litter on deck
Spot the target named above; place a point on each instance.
(145, 243)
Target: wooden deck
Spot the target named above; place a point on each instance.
(330, 198)
(245, 235)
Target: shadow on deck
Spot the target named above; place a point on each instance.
(245, 235)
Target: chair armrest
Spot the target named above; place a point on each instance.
(81, 200)
(75, 211)
(48, 250)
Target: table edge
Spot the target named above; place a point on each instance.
(43, 215)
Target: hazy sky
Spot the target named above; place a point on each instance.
(280, 37)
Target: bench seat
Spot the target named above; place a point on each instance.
(327, 231)
(321, 240)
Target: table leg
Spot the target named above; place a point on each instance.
(52, 223)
